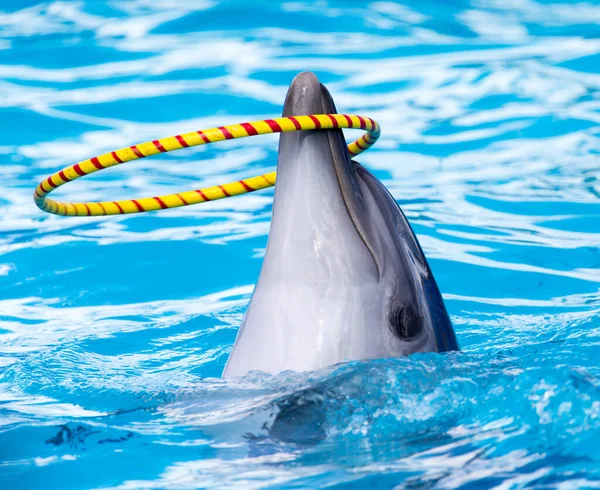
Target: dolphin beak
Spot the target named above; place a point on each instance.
(307, 96)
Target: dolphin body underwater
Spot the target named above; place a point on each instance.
(344, 277)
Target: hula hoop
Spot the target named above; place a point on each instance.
(202, 137)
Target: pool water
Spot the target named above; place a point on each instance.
(114, 331)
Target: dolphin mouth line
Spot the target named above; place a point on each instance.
(346, 198)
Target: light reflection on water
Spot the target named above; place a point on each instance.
(114, 331)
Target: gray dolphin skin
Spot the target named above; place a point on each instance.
(344, 277)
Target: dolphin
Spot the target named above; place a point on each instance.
(344, 277)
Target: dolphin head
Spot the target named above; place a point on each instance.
(344, 277)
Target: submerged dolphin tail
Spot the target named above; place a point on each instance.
(344, 276)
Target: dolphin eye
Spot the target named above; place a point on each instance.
(405, 323)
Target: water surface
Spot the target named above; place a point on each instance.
(114, 331)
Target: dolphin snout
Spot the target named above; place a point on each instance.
(305, 96)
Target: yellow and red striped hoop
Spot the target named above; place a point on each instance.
(202, 137)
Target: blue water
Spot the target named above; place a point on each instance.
(114, 331)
